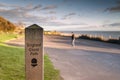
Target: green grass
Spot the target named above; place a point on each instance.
(7, 36)
(49, 72)
(11, 63)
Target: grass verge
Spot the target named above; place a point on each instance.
(7, 36)
(12, 65)
(49, 72)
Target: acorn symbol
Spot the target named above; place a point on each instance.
(34, 62)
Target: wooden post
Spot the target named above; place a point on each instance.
(34, 52)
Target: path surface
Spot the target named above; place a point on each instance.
(88, 60)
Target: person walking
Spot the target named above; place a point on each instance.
(73, 39)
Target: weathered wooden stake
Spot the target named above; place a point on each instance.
(34, 52)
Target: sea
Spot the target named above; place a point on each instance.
(104, 34)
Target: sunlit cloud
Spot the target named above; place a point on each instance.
(65, 14)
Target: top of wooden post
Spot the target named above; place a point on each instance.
(34, 26)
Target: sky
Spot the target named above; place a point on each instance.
(67, 15)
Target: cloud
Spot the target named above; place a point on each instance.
(52, 18)
(68, 16)
(22, 14)
(30, 7)
(37, 7)
(25, 14)
(6, 6)
(115, 8)
(53, 23)
(51, 12)
(11, 13)
(49, 7)
(117, 24)
(16, 12)
(80, 23)
(2, 4)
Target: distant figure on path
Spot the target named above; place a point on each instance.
(73, 39)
